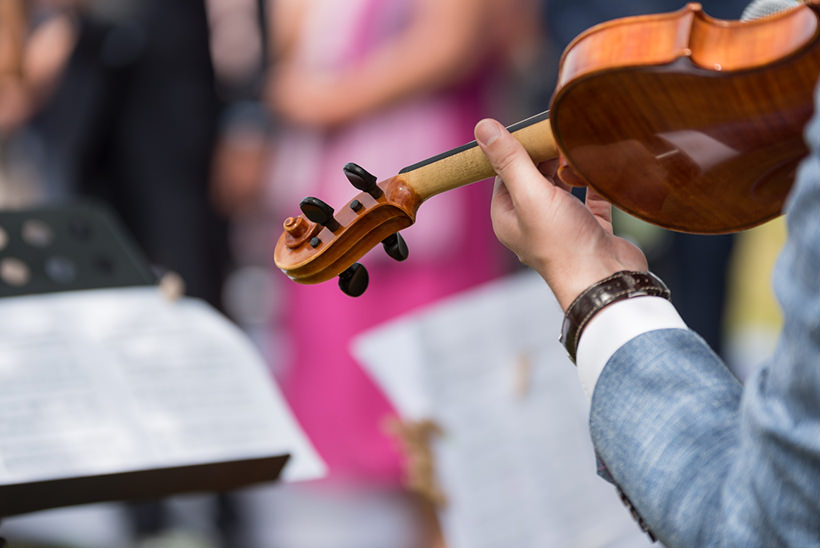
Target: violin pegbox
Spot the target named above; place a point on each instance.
(322, 243)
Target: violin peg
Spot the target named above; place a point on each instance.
(354, 280)
(319, 212)
(361, 179)
(396, 247)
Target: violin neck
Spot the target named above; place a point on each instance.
(468, 164)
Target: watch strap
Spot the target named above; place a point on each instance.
(617, 287)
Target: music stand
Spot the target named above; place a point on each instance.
(67, 249)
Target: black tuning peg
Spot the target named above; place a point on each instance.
(318, 212)
(361, 179)
(353, 281)
(396, 247)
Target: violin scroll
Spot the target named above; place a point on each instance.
(322, 243)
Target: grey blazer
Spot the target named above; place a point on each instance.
(704, 461)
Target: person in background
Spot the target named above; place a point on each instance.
(383, 84)
(132, 121)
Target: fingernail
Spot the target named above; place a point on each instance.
(486, 131)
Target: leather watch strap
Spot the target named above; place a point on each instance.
(621, 285)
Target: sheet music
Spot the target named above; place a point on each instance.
(111, 380)
(515, 459)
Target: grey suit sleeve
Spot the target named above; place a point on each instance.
(705, 463)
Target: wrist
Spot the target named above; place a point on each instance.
(585, 265)
(568, 285)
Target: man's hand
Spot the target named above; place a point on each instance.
(569, 243)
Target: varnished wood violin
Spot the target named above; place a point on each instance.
(688, 122)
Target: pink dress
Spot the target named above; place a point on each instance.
(452, 246)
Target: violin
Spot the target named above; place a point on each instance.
(688, 122)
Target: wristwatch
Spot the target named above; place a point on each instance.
(617, 287)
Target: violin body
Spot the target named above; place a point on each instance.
(700, 128)
(688, 122)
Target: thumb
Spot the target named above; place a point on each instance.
(508, 157)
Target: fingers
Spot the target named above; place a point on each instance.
(503, 215)
(549, 169)
(508, 158)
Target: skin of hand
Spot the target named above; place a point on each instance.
(568, 242)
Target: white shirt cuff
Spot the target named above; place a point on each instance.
(616, 325)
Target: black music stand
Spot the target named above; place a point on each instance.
(81, 246)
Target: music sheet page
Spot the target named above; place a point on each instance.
(112, 380)
(514, 457)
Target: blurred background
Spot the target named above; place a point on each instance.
(203, 123)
